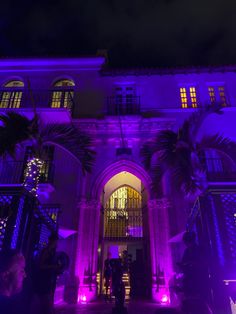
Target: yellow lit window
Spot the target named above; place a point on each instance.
(12, 94)
(188, 97)
(62, 96)
(193, 97)
(183, 97)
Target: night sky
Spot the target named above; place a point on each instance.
(136, 33)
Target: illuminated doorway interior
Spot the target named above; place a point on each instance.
(122, 232)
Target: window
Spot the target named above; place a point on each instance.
(217, 95)
(62, 95)
(188, 97)
(125, 98)
(183, 96)
(11, 95)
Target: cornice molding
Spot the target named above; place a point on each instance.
(132, 126)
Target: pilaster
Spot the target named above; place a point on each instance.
(86, 262)
(160, 249)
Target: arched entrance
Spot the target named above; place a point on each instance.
(124, 234)
(93, 245)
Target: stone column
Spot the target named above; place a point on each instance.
(87, 248)
(161, 259)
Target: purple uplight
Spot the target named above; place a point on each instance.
(164, 299)
(82, 299)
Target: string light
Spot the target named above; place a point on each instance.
(32, 175)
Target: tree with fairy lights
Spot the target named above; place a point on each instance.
(17, 130)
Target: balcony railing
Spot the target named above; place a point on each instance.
(123, 105)
(11, 99)
(13, 172)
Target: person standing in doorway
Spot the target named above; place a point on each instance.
(107, 275)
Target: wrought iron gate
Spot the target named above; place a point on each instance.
(123, 215)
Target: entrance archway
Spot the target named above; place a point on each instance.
(91, 241)
(124, 234)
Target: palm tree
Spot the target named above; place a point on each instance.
(182, 154)
(16, 130)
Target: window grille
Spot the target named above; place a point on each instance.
(229, 207)
(123, 214)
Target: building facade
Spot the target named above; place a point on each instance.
(112, 209)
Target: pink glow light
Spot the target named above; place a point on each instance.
(82, 299)
(164, 299)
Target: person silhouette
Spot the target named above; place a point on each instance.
(194, 266)
(46, 271)
(12, 275)
(107, 274)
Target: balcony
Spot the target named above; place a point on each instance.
(123, 105)
(12, 172)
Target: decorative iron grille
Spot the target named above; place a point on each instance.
(47, 222)
(18, 223)
(123, 214)
(229, 207)
(3, 225)
(5, 213)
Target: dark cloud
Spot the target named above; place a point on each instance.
(135, 32)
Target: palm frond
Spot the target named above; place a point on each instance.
(221, 144)
(164, 145)
(71, 139)
(183, 180)
(13, 131)
(182, 171)
(147, 151)
(192, 125)
(157, 171)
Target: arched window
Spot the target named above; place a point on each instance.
(62, 95)
(11, 94)
(123, 214)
